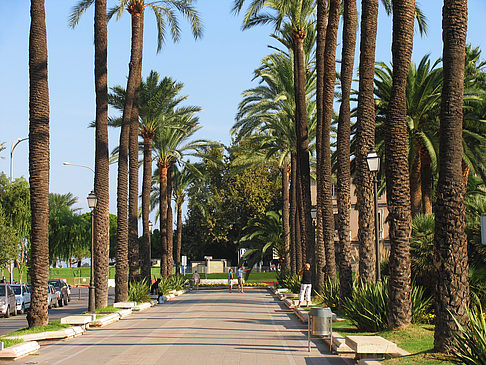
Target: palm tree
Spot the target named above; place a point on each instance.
(101, 183)
(396, 168)
(157, 99)
(365, 134)
(325, 97)
(298, 14)
(452, 293)
(171, 144)
(343, 149)
(268, 111)
(38, 164)
(164, 12)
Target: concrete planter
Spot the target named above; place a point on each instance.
(124, 313)
(20, 350)
(104, 321)
(124, 305)
(51, 335)
(141, 307)
(81, 320)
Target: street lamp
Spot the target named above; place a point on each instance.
(92, 201)
(75, 164)
(14, 144)
(149, 253)
(374, 165)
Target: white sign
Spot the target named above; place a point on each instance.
(276, 256)
(242, 251)
(184, 260)
(483, 229)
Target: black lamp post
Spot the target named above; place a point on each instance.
(92, 201)
(149, 255)
(374, 165)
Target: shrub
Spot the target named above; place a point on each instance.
(289, 281)
(368, 307)
(139, 292)
(177, 282)
(330, 293)
(470, 348)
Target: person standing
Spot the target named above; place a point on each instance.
(306, 285)
(197, 279)
(239, 276)
(230, 279)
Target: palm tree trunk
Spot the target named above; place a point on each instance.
(416, 183)
(170, 225)
(133, 245)
(285, 213)
(294, 263)
(396, 168)
(146, 187)
(307, 229)
(38, 164)
(343, 150)
(450, 241)
(163, 217)
(121, 276)
(102, 163)
(365, 140)
(329, 82)
(178, 246)
(427, 180)
(320, 253)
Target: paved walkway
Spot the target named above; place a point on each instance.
(203, 327)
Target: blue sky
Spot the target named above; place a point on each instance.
(215, 71)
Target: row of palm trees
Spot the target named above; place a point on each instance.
(276, 102)
(166, 13)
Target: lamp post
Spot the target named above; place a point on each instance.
(374, 165)
(75, 164)
(149, 255)
(92, 200)
(14, 144)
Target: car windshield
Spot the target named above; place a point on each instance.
(56, 284)
(2, 290)
(17, 290)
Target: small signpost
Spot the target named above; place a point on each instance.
(183, 264)
(208, 264)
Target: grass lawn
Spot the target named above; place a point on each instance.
(418, 339)
(52, 326)
(8, 343)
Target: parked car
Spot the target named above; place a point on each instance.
(52, 297)
(8, 304)
(62, 290)
(22, 297)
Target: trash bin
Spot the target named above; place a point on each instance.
(321, 321)
(319, 324)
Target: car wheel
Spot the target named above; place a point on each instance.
(60, 302)
(22, 309)
(15, 311)
(66, 301)
(7, 313)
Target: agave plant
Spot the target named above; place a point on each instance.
(139, 292)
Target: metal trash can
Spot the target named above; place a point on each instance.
(319, 323)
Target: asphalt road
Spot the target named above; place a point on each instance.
(77, 305)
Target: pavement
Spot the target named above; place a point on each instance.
(200, 327)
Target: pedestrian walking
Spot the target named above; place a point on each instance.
(230, 279)
(306, 285)
(239, 276)
(197, 279)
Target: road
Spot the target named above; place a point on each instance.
(77, 305)
(204, 327)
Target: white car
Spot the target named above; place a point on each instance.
(52, 297)
(22, 297)
(7, 301)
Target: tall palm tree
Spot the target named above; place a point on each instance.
(325, 95)
(164, 12)
(38, 164)
(171, 144)
(365, 134)
(396, 168)
(298, 14)
(101, 183)
(450, 244)
(157, 99)
(343, 149)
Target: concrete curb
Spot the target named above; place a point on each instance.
(20, 350)
(104, 321)
(51, 335)
(142, 307)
